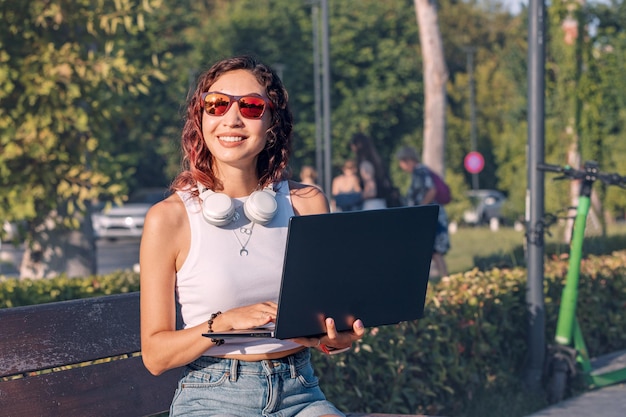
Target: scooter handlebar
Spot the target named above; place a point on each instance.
(549, 167)
(590, 172)
(613, 179)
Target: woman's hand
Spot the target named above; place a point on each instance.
(247, 317)
(334, 340)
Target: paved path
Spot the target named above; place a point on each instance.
(112, 256)
(604, 402)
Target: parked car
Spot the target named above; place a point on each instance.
(10, 231)
(486, 205)
(127, 220)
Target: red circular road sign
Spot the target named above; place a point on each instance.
(474, 162)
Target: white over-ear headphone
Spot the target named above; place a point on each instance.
(218, 209)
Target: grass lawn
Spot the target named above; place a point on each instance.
(469, 244)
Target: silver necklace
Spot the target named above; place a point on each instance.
(245, 231)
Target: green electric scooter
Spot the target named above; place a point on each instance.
(568, 356)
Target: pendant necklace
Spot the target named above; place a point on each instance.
(245, 231)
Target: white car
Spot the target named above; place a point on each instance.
(486, 205)
(126, 220)
(10, 231)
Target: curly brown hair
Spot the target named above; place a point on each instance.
(197, 162)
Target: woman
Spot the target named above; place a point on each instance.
(216, 247)
(346, 188)
(374, 179)
(308, 175)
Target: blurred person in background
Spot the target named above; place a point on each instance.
(308, 175)
(373, 176)
(346, 189)
(422, 191)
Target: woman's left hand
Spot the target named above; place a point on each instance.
(334, 340)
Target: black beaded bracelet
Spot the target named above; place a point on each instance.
(210, 323)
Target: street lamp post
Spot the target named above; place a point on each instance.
(315, 15)
(321, 84)
(326, 94)
(472, 98)
(535, 194)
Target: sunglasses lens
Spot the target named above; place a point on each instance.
(216, 104)
(251, 107)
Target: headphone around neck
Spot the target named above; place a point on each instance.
(218, 209)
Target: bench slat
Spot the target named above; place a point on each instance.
(384, 415)
(49, 335)
(118, 388)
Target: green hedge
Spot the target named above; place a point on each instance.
(472, 338)
(15, 292)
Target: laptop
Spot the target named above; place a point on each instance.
(371, 265)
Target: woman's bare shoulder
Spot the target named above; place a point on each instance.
(167, 215)
(307, 199)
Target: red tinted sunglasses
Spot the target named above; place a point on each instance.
(250, 106)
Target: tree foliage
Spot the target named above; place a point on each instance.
(92, 91)
(69, 86)
(67, 82)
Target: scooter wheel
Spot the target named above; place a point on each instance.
(558, 381)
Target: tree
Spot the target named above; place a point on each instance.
(586, 99)
(435, 79)
(376, 87)
(85, 112)
(604, 89)
(66, 81)
(496, 42)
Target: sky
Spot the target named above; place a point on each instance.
(513, 6)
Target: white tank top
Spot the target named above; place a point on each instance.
(215, 277)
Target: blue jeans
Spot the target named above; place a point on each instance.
(283, 387)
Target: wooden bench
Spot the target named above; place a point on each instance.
(40, 343)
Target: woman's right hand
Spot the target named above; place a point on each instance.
(246, 317)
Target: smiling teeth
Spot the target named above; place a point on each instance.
(231, 138)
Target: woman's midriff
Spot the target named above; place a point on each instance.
(262, 356)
